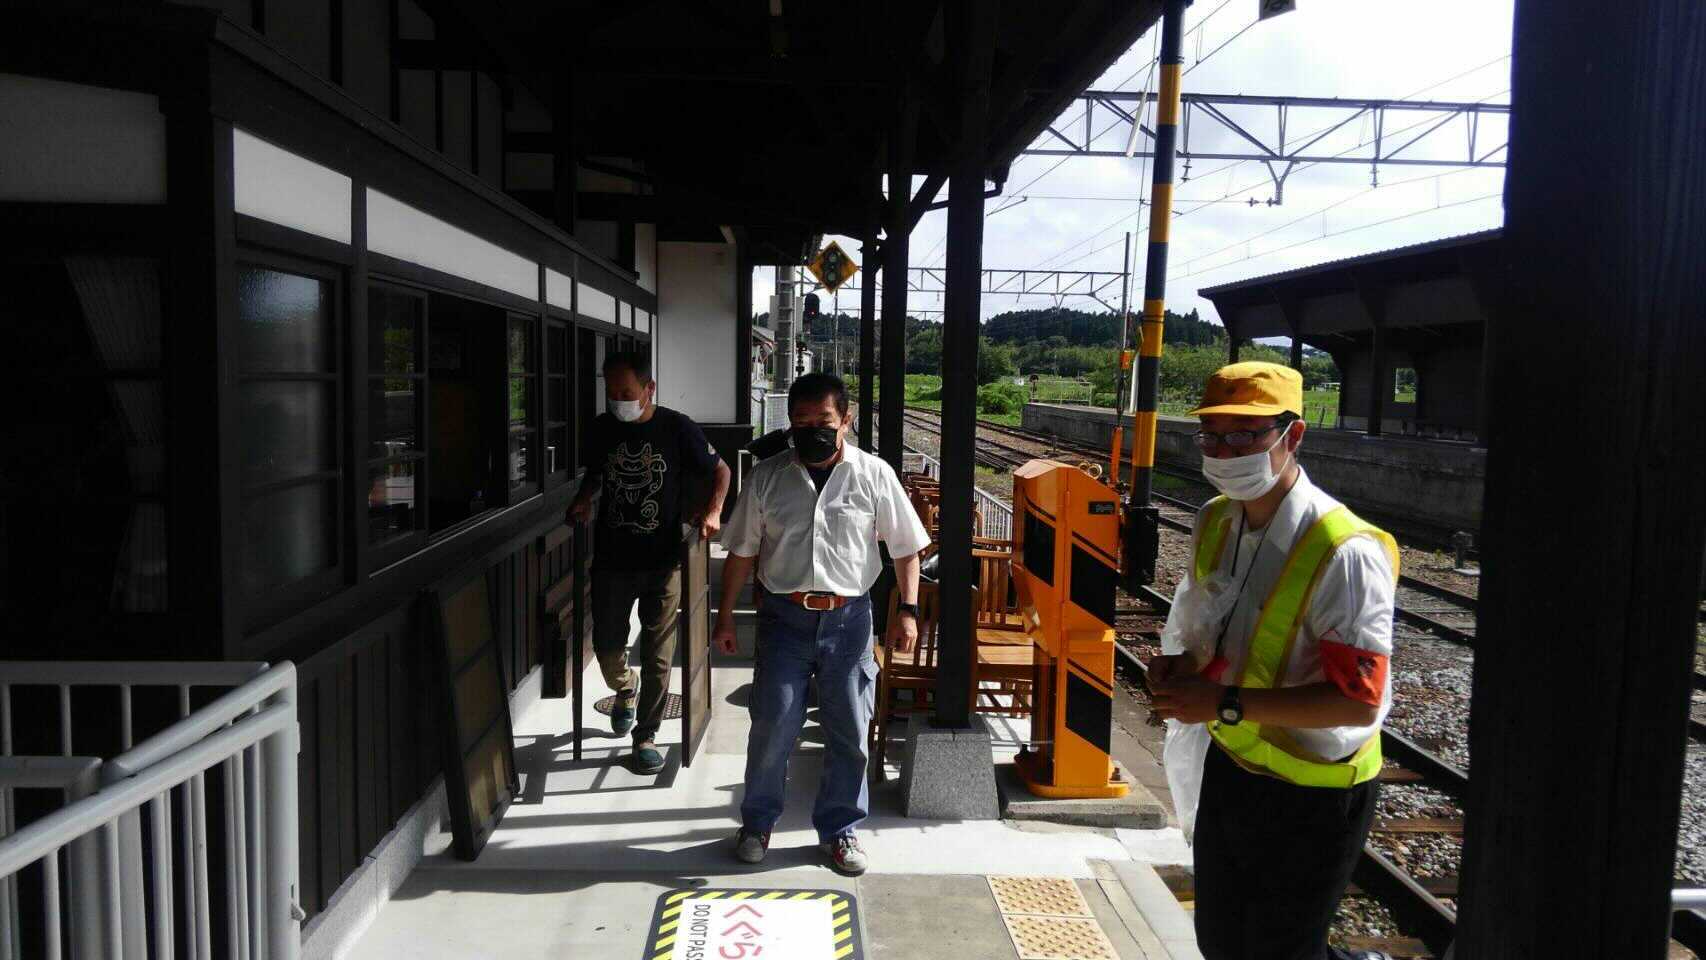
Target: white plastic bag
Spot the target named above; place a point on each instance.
(1193, 626)
(1183, 755)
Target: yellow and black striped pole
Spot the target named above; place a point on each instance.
(1148, 379)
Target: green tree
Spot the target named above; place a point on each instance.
(994, 361)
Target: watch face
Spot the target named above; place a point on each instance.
(1230, 715)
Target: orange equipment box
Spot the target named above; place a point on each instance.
(1066, 548)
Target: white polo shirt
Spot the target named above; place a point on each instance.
(811, 542)
(1346, 635)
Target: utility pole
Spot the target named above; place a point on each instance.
(1142, 526)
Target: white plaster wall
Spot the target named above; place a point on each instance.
(696, 330)
(278, 186)
(77, 143)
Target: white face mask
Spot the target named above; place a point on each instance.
(1246, 477)
(626, 411)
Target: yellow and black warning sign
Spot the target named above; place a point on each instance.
(760, 924)
(832, 267)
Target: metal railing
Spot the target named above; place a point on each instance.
(997, 513)
(247, 736)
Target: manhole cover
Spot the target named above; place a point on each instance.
(671, 706)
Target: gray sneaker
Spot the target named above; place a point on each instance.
(845, 855)
(750, 847)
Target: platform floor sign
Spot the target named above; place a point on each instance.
(755, 925)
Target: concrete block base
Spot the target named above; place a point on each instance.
(1137, 810)
(948, 773)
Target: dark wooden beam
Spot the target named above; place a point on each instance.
(565, 150)
(896, 251)
(971, 41)
(445, 55)
(1591, 555)
(1373, 295)
(924, 200)
(868, 326)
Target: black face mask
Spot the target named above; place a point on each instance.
(814, 444)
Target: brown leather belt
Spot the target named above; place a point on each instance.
(820, 601)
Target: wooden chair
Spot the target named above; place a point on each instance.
(1003, 655)
(914, 671)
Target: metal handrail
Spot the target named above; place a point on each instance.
(251, 732)
(1688, 898)
(997, 513)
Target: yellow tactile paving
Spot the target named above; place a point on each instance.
(1058, 938)
(1048, 896)
(1047, 918)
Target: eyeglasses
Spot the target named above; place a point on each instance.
(1236, 439)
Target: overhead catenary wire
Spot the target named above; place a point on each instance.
(1338, 233)
(1154, 61)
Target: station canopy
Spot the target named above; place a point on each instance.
(774, 114)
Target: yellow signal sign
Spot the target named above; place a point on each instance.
(832, 266)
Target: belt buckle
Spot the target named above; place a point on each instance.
(827, 598)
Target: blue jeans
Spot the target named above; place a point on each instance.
(795, 644)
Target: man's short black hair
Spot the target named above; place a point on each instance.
(633, 361)
(813, 387)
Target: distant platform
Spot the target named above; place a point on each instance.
(1433, 482)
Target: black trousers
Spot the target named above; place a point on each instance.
(1272, 861)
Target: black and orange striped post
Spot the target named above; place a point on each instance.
(1155, 271)
(1141, 536)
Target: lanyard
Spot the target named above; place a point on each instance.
(1237, 546)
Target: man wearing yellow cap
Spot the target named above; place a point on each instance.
(1285, 658)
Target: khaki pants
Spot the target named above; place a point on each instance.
(614, 593)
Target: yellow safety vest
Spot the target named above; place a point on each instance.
(1271, 750)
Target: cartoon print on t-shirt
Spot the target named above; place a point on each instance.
(632, 480)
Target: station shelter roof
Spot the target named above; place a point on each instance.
(1428, 284)
(775, 115)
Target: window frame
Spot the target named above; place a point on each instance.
(279, 602)
(390, 551)
(532, 426)
(567, 460)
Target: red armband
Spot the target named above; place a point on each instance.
(1359, 674)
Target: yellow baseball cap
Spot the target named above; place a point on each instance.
(1252, 389)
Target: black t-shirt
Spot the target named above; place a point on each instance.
(646, 471)
(820, 476)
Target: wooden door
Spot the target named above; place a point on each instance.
(695, 643)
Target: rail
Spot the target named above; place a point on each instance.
(997, 513)
(248, 735)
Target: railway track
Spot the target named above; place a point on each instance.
(1423, 905)
(1441, 611)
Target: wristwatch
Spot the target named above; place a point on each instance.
(911, 608)
(1231, 708)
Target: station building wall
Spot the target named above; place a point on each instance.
(698, 365)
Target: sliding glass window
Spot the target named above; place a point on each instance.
(523, 420)
(396, 397)
(289, 415)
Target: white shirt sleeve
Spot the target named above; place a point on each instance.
(1353, 598)
(897, 523)
(745, 530)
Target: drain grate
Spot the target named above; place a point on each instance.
(1050, 896)
(1058, 938)
(671, 705)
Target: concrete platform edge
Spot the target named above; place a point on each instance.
(1159, 908)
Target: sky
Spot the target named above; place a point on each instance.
(1075, 213)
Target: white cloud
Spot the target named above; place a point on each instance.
(1327, 48)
